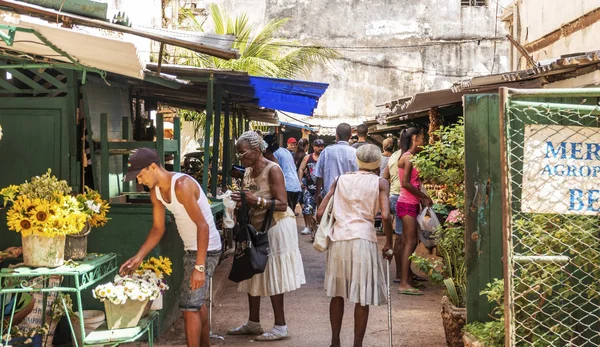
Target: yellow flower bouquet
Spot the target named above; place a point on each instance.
(43, 206)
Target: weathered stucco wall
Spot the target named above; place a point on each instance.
(533, 22)
(405, 55)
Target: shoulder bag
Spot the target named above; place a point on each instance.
(252, 246)
(325, 228)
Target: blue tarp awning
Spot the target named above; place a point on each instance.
(300, 97)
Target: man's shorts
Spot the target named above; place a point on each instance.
(193, 300)
(393, 201)
(309, 203)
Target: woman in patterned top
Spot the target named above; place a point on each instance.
(264, 185)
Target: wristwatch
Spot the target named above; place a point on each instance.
(200, 268)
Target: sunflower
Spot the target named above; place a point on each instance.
(25, 225)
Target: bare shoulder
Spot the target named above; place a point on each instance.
(184, 185)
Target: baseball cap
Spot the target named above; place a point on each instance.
(291, 140)
(318, 142)
(138, 161)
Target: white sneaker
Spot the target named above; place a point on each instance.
(274, 336)
(305, 231)
(245, 330)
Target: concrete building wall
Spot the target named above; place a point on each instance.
(388, 49)
(532, 22)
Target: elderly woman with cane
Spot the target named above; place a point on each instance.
(354, 267)
(264, 185)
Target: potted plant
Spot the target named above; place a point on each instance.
(161, 266)
(126, 298)
(441, 168)
(488, 334)
(44, 212)
(95, 208)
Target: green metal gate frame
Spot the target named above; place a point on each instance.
(564, 307)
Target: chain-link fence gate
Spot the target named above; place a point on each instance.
(551, 174)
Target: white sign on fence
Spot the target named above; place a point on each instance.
(561, 170)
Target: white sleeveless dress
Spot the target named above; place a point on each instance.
(284, 271)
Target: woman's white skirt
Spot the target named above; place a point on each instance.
(284, 271)
(355, 272)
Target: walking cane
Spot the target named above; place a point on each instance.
(210, 305)
(389, 296)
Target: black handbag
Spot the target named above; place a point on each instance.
(252, 246)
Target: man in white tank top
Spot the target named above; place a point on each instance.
(184, 198)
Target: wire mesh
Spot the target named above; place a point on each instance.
(553, 158)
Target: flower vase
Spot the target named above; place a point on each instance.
(157, 304)
(40, 250)
(76, 244)
(127, 315)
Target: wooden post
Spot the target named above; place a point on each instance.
(216, 139)
(160, 137)
(226, 150)
(125, 160)
(209, 114)
(177, 135)
(104, 190)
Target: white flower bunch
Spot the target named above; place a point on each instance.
(92, 206)
(138, 286)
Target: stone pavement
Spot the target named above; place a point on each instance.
(416, 319)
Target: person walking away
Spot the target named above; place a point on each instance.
(286, 162)
(334, 161)
(361, 131)
(183, 196)
(407, 207)
(390, 173)
(301, 152)
(306, 173)
(388, 149)
(292, 145)
(264, 185)
(354, 268)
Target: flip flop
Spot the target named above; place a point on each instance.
(397, 280)
(412, 291)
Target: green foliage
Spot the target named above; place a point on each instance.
(261, 53)
(550, 295)
(491, 333)
(442, 165)
(452, 269)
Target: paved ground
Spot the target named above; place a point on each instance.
(416, 319)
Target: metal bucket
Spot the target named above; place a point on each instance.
(43, 251)
(76, 245)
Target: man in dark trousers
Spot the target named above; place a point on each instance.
(184, 197)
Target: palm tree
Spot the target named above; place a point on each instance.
(261, 54)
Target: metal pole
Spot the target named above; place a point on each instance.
(210, 305)
(209, 113)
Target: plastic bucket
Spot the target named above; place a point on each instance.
(43, 251)
(92, 319)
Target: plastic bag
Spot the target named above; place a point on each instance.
(428, 225)
(427, 219)
(229, 204)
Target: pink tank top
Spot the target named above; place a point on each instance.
(406, 196)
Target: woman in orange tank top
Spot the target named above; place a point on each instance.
(407, 207)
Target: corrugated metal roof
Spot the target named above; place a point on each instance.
(220, 48)
(546, 72)
(92, 51)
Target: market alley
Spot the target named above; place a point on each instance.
(416, 319)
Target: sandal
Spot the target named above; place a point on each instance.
(245, 330)
(411, 291)
(272, 336)
(419, 278)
